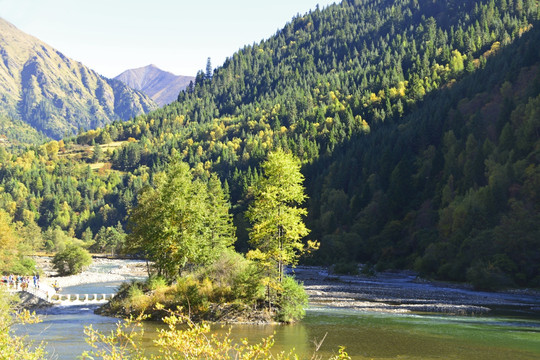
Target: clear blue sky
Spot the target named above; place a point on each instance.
(111, 36)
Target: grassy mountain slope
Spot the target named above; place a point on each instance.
(17, 132)
(162, 86)
(416, 123)
(55, 94)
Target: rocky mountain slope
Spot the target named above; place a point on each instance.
(55, 94)
(162, 86)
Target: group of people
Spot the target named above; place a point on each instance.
(15, 281)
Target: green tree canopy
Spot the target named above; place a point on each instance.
(72, 260)
(181, 220)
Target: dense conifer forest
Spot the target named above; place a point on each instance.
(417, 124)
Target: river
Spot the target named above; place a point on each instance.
(503, 334)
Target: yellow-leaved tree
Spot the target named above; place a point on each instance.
(278, 226)
(8, 242)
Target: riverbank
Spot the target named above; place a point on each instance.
(405, 292)
(102, 270)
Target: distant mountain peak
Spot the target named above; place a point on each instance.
(162, 86)
(55, 94)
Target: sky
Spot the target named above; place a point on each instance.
(111, 36)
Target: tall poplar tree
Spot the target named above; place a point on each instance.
(276, 216)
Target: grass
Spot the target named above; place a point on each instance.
(97, 166)
(112, 145)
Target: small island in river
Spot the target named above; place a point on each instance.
(395, 292)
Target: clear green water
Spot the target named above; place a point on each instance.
(390, 336)
(365, 335)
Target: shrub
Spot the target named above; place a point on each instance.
(183, 339)
(233, 278)
(293, 301)
(488, 277)
(157, 282)
(72, 260)
(135, 291)
(137, 299)
(346, 268)
(247, 284)
(11, 345)
(24, 266)
(188, 295)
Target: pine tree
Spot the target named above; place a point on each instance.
(97, 154)
(209, 70)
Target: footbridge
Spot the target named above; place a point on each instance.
(49, 295)
(79, 299)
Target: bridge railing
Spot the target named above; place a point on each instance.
(82, 298)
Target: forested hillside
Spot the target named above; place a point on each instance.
(417, 123)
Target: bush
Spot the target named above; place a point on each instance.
(188, 295)
(157, 283)
(11, 345)
(488, 277)
(233, 278)
(248, 285)
(24, 266)
(72, 260)
(137, 300)
(346, 268)
(293, 301)
(182, 339)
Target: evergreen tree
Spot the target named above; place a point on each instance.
(209, 69)
(97, 154)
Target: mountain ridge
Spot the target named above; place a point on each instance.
(162, 86)
(55, 94)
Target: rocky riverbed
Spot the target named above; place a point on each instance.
(405, 292)
(102, 270)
